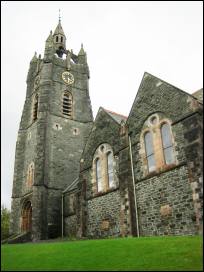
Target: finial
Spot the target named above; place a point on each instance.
(59, 16)
(50, 32)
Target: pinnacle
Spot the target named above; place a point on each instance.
(82, 52)
(34, 57)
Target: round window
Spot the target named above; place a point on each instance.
(153, 120)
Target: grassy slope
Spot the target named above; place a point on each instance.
(147, 253)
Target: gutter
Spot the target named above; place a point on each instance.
(133, 181)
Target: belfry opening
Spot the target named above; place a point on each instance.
(26, 215)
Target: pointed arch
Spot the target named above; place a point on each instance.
(103, 169)
(149, 148)
(110, 169)
(30, 175)
(26, 217)
(167, 143)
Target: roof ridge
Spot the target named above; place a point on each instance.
(116, 113)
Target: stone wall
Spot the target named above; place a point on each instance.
(165, 204)
(103, 215)
(166, 198)
(70, 223)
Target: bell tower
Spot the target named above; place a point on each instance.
(55, 124)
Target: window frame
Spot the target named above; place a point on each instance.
(151, 155)
(169, 146)
(154, 126)
(101, 154)
(112, 169)
(67, 104)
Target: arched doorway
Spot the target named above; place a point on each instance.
(26, 223)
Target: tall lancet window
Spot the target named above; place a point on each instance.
(150, 151)
(110, 169)
(167, 144)
(35, 107)
(98, 175)
(30, 175)
(67, 104)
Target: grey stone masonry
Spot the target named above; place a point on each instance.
(53, 141)
(116, 176)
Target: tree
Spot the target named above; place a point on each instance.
(5, 219)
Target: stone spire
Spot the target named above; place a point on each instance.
(59, 39)
(59, 29)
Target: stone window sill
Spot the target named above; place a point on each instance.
(97, 194)
(161, 170)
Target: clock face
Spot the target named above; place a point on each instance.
(68, 77)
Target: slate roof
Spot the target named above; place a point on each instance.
(72, 186)
(116, 116)
(199, 95)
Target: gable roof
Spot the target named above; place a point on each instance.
(199, 95)
(150, 85)
(71, 186)
(116, 116)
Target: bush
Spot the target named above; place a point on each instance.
(5, 219)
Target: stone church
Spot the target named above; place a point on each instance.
(114, 176)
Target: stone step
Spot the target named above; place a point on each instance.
(20, 238)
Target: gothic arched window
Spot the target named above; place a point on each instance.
(98, 175)
(157, 144)
(103, 168)
(57, 38)
(167, 144)
(61, 39)
(30, 175)
(35, 107)
(67, 104)
(149, 151)
(110, 169)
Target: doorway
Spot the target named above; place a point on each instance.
(26, 214)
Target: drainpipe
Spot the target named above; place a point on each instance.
(69, 186)
(62, 214)
(133, 181)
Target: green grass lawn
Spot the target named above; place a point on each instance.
(122, 254)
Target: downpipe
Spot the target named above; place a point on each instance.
(134, 190)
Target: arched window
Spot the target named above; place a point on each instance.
(98, 175)
(167, 144)
(110, 169)
(35, 108)
(149, 151)
(30, 175)
(61, 39)
(56, 38)
(103, 169)
(67, 104)
(157, 144)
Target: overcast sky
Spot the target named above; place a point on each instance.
(122, 41)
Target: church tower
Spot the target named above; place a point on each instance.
(56, 121)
